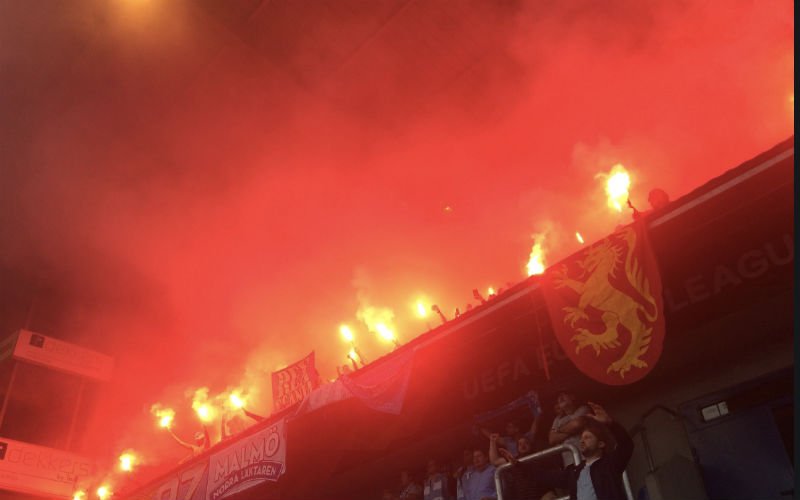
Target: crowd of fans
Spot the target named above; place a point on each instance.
(604, 445)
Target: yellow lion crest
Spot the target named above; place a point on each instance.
(603, 261)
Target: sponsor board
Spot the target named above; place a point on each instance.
(38, 470)
(63, 356)
(247, 462)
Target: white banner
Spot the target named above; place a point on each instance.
(64, 356)
(247, 462)
(37, 470)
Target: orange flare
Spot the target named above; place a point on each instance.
(205, 412)
(490, 291)
(347, 333)
(384, 332)
(165, 416)
(536, 260)
(618, 183)
(79, 495)
(422, 311)
(126, 461)
(236, 400)
(104, 492)
(579, 238)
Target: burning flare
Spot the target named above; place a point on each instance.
(236, 400)
(200, 404)
(126, 461)
(422, 311)
(579, 238)
(104, 492)
(385, 333)
(164, 415)
(618, 183)
(79, 495)
(347, 333)
(379, 320)
(536, 260)
(490, 292)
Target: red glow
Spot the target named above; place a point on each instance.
(208, 204)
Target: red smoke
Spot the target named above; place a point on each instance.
(207, 192)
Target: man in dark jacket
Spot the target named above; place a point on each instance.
(606, 449)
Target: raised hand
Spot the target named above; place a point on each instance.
(507, 455)
(600, 414)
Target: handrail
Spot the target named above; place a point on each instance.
(576, 456)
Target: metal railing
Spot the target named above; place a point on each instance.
(576, 458)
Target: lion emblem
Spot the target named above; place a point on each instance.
(636, 314)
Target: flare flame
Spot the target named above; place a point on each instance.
(126, 461)
(164, 415)
(618, 183)
(104, 492)
(536, 260)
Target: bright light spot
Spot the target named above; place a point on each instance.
(422, 311)
(352, 354)
(126, 461)
(379, 320)
(618, 183)
(579, 238)
(103, 492)
(447, 209)
(347, 333)
(384, 332)
(235, 400)
(204, 410)
(79, 495)
(490, 291)
(165, 416)
(536, 260)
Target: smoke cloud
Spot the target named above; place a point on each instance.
(200, 190)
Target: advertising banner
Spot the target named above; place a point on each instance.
(38, 470)
(241, 464)
(247, 462)
(63, 356)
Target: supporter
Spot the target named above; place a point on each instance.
(409, 490)
(567, 426)
(435, 485)
(462, 473)
(568, 423)
(480, 483)
(202, 442)
(606, 449)
(657, 198)
(513, 434)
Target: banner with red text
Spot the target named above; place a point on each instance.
(292, 384)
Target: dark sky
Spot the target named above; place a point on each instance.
(206, 190)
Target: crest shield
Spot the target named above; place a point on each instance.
(606, 307)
